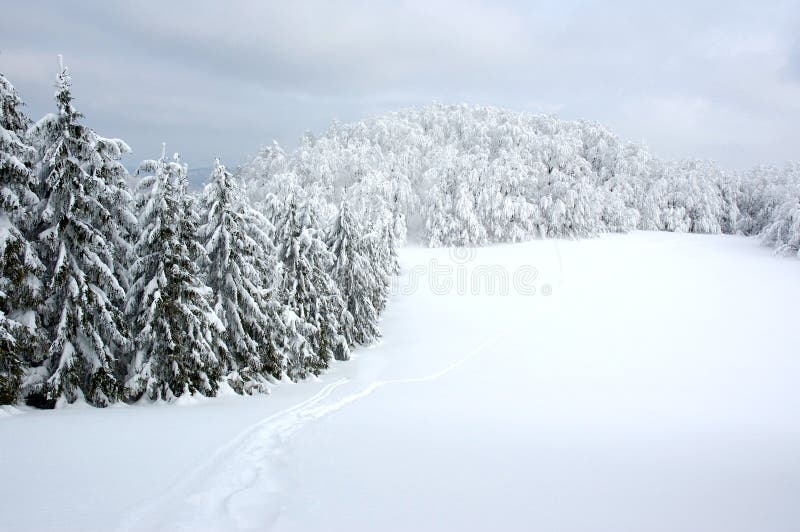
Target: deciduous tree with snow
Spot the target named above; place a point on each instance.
(783, 232)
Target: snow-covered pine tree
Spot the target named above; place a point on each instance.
(378, 259)
(12, 363)
(280, 331)
(379, 250)
(310, 292)
(189, 234)
(79, 313)
(241, 271)
(354, 274)
(121, 228)
(176, 332)
(20, 268)
(390, 246)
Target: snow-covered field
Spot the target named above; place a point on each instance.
(638, 382)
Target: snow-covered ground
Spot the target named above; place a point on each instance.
(638, 382)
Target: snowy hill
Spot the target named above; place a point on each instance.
(470, 175)
(638, 382)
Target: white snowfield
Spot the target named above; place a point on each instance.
(642, 382)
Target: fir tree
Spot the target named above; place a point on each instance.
(20, 268)
(280, 330)
(378, 258)
(241, 273)
(79, 312)
(354, 275)
(310, 293)
(390, 243)
(177, 333)
(121, 228)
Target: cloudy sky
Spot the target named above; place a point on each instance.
(699, 78)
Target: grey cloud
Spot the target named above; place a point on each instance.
(702, 78)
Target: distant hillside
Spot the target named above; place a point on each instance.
(468, 175)
(198, 177)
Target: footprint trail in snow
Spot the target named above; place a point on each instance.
(235, 489)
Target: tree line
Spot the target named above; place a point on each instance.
(116, 293)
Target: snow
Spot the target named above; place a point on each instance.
(6, 228)
(649, 383)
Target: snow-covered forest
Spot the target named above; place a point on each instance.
(466, 176)
(121, 287)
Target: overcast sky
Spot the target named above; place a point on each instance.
(699, 78)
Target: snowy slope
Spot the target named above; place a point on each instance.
(649, 383)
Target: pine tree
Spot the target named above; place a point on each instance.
(378, 249)
(121, 228)
(20, 268)
(79, 314)
(279, 332)
(354, 275)
(177, 346)
(390, 247)
(241, 273)
(400, 199)
(310, 293)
